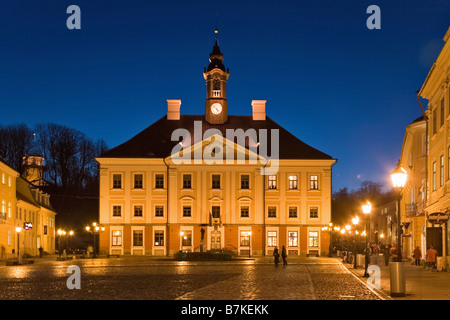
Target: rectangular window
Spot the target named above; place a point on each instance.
(245, 181)
(3, 178)
(313, 240)
(138, 181)
(292, 212)
(159, 181)
(441, 171)
(293, 239)
(117, 181)
(187, 181)
(314, 212)
(434, 176)
(215, 181)
(293, 179)
(442, 113)
(159, 211)
(159, 238)
(138, 238)
(272, 238)
(245, 239)
(10, 210)
(314, 182)
(245, 212)
(187, 239)
(117, 238)
(215, 211)
(138, 211)
(272, 212)
(117, 211)
(186, 211)
(272, 182)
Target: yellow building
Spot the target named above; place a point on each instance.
(436, 90)
(414, 158)
(8, 238)
(36, 216)
(214, 181)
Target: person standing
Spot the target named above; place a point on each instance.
(417, 256)
(276, 256)
(431, 257)
(284, 255)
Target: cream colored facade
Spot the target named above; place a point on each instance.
(8, 238)
(151, 203)
(413, 203)
(436, 90)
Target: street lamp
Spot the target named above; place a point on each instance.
(366, 208)
(398, 177)
(355, 222)
(330, 231)
(95, 230)
(60, 234)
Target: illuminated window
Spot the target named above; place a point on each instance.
(313, 239)
(187, 239)
(272, 182)
(293, 180)
(116, 238)
(272, 238)
(314, 182)
(245, 239)
(442, 171)
(293, 239)
(434, 176)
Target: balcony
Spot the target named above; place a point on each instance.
(414, 209)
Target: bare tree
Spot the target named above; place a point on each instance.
(16, 141)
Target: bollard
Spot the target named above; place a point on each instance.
(398, 281)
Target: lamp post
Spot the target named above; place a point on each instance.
(398, 177)
(95, 230)
(330, 230)
(398, 281)
(18, 230)
(366, 208)
(355, 222)
(60, 234)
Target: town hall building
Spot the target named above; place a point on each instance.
(214, 181)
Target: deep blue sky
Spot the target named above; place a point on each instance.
(340, 87)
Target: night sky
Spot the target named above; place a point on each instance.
(338, 86)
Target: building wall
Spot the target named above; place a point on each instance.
(201, 198)
(7, 210)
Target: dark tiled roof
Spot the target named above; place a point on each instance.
(155, 141)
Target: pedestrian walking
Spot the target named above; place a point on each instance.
(284, 255)
(431, 258)
(387, 255)
(375, 253)
(417, 256)
(276, 256)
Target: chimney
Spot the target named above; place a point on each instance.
(259, 109)
(173, 109)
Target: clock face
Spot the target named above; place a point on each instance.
(216, 108)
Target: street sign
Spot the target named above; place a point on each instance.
(437, 218)
(27, 225)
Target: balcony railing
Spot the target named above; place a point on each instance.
(414, 209)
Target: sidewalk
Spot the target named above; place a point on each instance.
(421, 284)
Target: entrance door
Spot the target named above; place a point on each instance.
(215, 240)
(434, 238)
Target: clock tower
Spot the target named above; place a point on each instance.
(216, 104)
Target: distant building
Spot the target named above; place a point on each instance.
(153, 203)
(8, 238)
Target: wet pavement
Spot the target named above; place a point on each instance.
(146, 278)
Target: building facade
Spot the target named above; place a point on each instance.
(413, 203)
(436, 90)
(207, 182)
